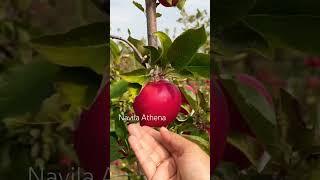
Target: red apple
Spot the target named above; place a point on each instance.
(220, 125)
(91, 138)
(166, 3)
(158, 103)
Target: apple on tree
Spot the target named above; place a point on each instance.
(158, 98)
(169, 3)
(220, 116)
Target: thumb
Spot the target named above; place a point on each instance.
(174, 143)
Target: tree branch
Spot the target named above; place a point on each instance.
(142, 60)
(151, 14)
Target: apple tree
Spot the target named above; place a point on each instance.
(139, 69)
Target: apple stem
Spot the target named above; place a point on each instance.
(151, 15)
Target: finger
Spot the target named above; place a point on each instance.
(147, 164)
(163, 153)
(135, 130)
(132, 128)
(154, 149)
(152, 132)
(174, 143)
(166, 170)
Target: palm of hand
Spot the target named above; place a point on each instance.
(167, 158)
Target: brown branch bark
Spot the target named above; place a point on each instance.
(151, 14)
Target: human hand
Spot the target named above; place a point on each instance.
(165, 155)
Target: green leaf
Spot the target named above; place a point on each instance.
(5, 156)
(154, 54)
(190, 97)
(23, 88)
(292, 122)
(118, 88)
(240, 38)
(83, 36)
(286, 7)
(158, 15)
(200, 65)
(80, 47)
(226, 171)
(75, 97)
(310, 171)
(181, 4)
(204, 145)
(92, 57)
(204, 103)
(114, 49)
(101, 5)
(114, 148)
(74, 93)
(185, 46)
(249, 147)
(138, 5)
(120, 127)
(67, 149)
(295, 31)
(139, 44)
(22, 5)
(187, 127)
(20, 160)
(81, 77)
(255, 110)
(227, 12)
(165, 45)
(139, 76)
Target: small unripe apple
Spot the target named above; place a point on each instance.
(166, 3)
(158, 103)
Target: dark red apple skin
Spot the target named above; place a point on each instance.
(91, 138)
(166, 4)
(160, 98)
(239, 124)
(220, 126)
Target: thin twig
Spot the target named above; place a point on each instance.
(132, 47)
